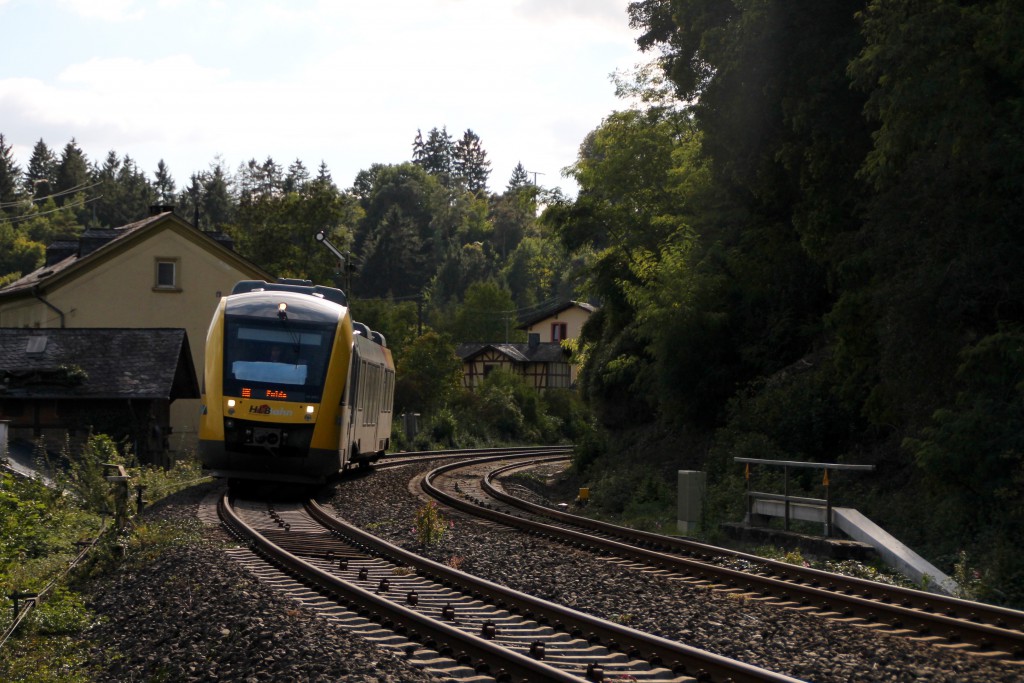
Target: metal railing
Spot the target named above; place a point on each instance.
(787, 499)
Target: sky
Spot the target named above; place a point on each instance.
(200, 82)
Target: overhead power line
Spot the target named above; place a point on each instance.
(28, 217)
(76, 188)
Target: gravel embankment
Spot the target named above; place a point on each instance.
(193, 614)
(799, 645)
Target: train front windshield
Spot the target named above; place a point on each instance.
(270, 359)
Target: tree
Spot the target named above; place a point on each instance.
(519, 178)
(487, 314)
(469, 163)
(163, 184)
(936, 263)
(538, 271)
(391, 259)
(137, 194)
(435, 155)
(428, 374)
(18, 253)
(217, 207)
(461, 267)
(323, 174)
(296, 178)
(123, 193)
(41, 174)
(398, 321)
(396, 239)
(72, 174)
(10, 178)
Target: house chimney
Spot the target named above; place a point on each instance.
(534, 339)
(157, 209)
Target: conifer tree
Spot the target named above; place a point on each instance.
(435, 156)
(297, 177)
(323, 174)
(10, 176)
(163, 184)
(469, 162)
(41, 174)
(216, 206)
(519, 178)
(72, 171)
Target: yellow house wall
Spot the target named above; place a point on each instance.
(120, 292)
(573, 317)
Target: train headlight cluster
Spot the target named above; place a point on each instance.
(231, 406)
(309, 412)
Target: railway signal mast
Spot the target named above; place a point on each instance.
(343, 261)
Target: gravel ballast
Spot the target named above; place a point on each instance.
(194, 614)
(799, 645)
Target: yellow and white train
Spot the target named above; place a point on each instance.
(293, 389)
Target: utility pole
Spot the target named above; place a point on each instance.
(535, 174)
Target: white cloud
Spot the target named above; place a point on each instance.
(107, 10)
(347, 83)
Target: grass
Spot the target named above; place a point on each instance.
(39, 530)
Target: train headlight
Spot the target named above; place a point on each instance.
(309, 410)
(231, 406)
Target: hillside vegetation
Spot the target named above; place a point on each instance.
(804, 231)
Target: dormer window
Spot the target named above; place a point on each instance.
(167, 275)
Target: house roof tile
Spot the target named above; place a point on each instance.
(546, 352)
(145, 363)
(553, 309)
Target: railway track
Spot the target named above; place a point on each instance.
(405, 458)
(462, 627)
(945, 622)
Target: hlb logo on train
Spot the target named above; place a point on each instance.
(267, 410)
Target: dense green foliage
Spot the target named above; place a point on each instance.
(427, 248)
(808, 242)
(40, 526)
(805, 238)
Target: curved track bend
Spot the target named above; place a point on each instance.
(462, 627)
(977, 628)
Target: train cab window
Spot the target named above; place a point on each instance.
(276, 361)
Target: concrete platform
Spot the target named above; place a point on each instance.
(859, 528)
(810, 546)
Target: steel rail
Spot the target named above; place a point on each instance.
(899, 616)
(923, 601)
(490, 655)
(409, 456)
(684, 658)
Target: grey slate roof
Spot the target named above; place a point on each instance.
(140, 363)
(91, 241)
(553, 309)
(546, 352)
(66, 255)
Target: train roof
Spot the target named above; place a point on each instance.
(296, 286)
